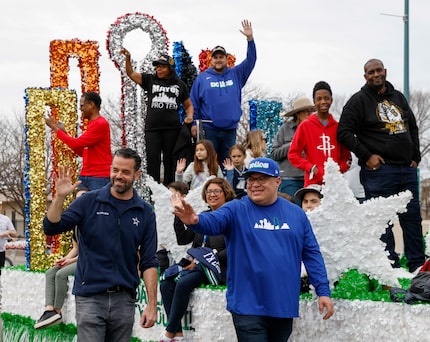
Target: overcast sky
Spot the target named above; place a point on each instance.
(298, 42)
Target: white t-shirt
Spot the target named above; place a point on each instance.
(5, 224)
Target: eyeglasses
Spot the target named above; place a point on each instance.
(213, 192)
(261, 180)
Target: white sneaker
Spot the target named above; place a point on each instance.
(164, 338)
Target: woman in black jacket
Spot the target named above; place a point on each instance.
(176, 291)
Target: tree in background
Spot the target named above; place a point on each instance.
(12, 162)
(12, 136)
(420, 104)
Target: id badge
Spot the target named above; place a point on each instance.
(241, 184)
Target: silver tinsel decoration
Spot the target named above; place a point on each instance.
(133, 98)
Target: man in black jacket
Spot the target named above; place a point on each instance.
(378, 125)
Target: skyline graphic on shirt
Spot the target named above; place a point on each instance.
(162, 100)
(266, 224)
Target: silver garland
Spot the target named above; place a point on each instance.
(133, 104)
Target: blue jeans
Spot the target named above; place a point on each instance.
(222, 140)
(105, 317)
(176, 296)
(251, 328)
(388, 180)
(290, 187)
(92, 183)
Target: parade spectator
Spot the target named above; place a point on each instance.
(56, 286)
(310, 196)
(117, 236)
(166, 92)
(205, 164)
(379, 127)
(250, 226)
(7, 231)
(255, 145)
(176, 291)
(315, 139)
(292, 177)
(234, 169)
(93, 145)
(217, 95)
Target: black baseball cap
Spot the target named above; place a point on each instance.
(165, 60)
(218, 49)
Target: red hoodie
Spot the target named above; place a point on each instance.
(313, 143)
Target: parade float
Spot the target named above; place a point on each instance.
(348, 232)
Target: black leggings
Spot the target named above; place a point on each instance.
(157, 142)
(2, 259)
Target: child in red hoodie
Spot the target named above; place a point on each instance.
(315, 139)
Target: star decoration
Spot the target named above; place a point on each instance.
(136, 221)
(349, 232)
(163, 212)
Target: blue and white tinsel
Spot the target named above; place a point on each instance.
(265, 116)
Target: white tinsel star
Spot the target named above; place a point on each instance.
(349, 232)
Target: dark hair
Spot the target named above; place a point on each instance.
(181, 187)
(93, 97)
(371, 61)
(129, 153)
(224, 185)
(211, 159)
(321, 85)
(173, 76)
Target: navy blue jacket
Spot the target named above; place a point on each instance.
(109, 244)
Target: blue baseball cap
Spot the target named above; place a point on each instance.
(265, 166)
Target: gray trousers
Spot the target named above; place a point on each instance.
(56, 279)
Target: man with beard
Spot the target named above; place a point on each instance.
(216, 95)
(378, 125)
(116, 234)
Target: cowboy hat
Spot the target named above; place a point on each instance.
(300, 104)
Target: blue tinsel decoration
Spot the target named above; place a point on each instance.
(265, 116)
(27, 192)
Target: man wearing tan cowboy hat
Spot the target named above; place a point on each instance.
(292, 178)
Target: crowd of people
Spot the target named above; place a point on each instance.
(115, 229)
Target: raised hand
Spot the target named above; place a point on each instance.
(185, 212)
(125, 52)
(228, 164)
(247, 29)
(63, 181)
(180, 165)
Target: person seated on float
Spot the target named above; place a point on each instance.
(176, 290)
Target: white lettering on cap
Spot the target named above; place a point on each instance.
(259, 164)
